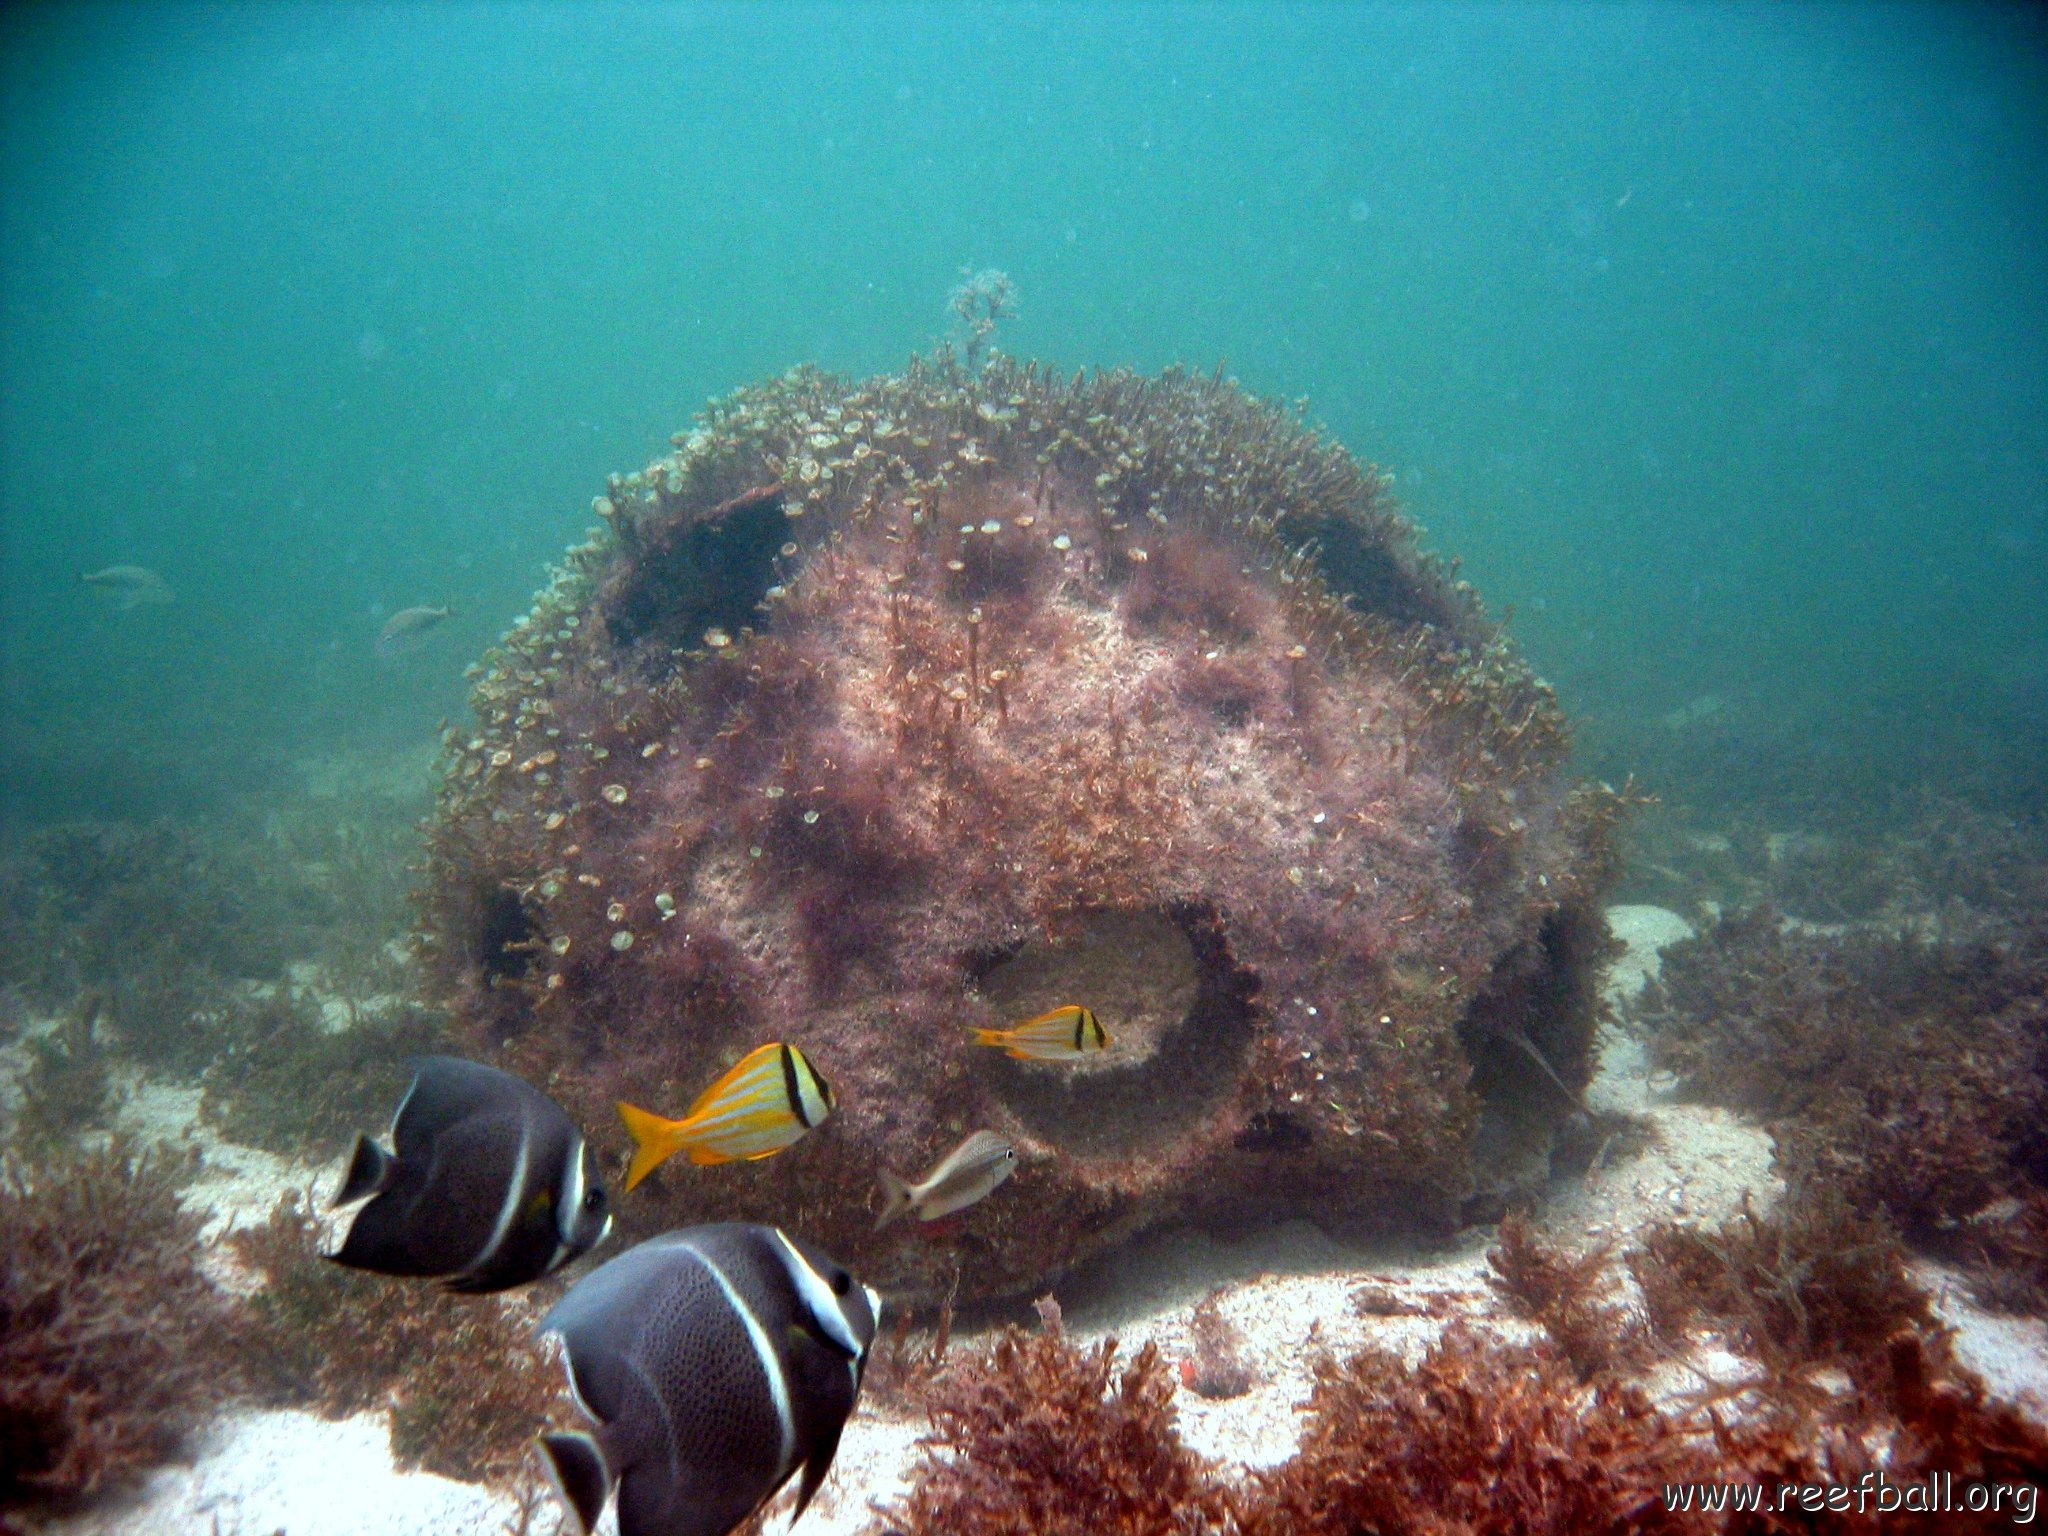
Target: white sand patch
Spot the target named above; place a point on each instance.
(2010, 1353)
(1702, 1164)
(870, 1470)
(236, 1186)
(1646, 931)
(264, 1471)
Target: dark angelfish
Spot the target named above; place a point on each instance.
(491, 1184)
(715, 1362)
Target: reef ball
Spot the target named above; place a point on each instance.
(878, 711)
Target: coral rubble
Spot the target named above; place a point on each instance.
(880, 710)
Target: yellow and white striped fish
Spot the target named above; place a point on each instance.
(1060, 1035)
(769, 1099)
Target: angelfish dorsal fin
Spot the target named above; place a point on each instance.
(369, 1170)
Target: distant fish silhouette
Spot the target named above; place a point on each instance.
(128, 586)
(405, 628)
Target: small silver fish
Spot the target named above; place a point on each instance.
(963, 1176)
(128, 586)
(402, 631)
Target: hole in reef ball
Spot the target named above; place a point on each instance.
(1135, 969)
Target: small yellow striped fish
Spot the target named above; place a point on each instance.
(768, 1100)
(1060, 1035)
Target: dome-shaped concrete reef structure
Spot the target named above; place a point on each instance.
(881, 710)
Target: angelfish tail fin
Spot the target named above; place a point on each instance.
(991, 1036)
(895, 1199)
(369, 1170)
(654, 1141)
(575, 1468)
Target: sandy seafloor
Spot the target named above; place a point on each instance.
(256, 1472)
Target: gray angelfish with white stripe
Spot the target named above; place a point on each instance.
(716, 1362)
(964, 1175)
(491, 1184)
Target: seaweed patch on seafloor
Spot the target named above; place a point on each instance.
(1912, 1416)
(1924, 852)
(1916, 1415)
(14, 1011)
(171, 923)
(99, 902)
(2005, 1247)
(173, 1015)
(464, 1386)
(113, 1344)
(1478, 1436)
(1911, 1073)
(1812, 1284)
(1570, 1296)
(1038, 1437)
(1856, 1374)
(67, 1087)
(905, 1365)
(336, 1081)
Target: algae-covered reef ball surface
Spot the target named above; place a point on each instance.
(880, 711)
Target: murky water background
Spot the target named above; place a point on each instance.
(1709, 338)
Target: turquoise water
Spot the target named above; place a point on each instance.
(1710, 338)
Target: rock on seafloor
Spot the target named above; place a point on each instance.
(877, 711)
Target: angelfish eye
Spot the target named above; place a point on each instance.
(593, 1200)
(842, 1282)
